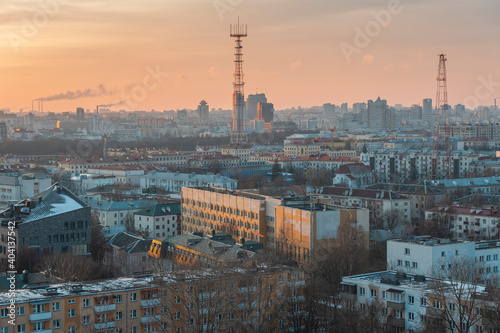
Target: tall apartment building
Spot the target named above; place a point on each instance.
(251, 104)
(402, 165)
(213, 210)
(203, 110)
(427, 115)
(293, 227)
(302, 228)
(260, 298)
(407, 303)
(377, 114)
(329, 110)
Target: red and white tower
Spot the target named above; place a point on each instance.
(238, 128)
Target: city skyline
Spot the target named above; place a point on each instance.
(173, 55)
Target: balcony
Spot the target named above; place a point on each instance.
(150, 302)
(397, 322)
(41, 316)
(150, 319)
(396, 305)
(105, 326)
(105, 308)
(43, 331)
(466, 222)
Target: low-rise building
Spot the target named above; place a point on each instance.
(15, 187)
(382, 204)
(113, 213)
(427, 256)
(55, 220)
(469, 223)
(160, 220)
(174, 181)
(128, 254)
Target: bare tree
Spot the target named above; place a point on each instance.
(439, 225)
(69, 267)
(456, 297)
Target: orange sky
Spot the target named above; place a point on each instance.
(292, 52)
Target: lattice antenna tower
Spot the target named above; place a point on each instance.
(238, 128)
(441, 117)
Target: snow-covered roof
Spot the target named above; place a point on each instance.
(56, 200)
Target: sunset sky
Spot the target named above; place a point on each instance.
(292, 52)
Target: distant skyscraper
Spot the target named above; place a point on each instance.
(483, 113)
(252, 102)
(182, 114)
(3, 131)
(265, 111)
(358, 107)
(416, 112)
(329, 110)
(427, 111)
(377, 114)
(203, 111)
(80, 112)
(343, 108)
(459, 110)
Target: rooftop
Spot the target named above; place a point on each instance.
(73, 289)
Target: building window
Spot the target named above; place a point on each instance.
(177, 316)
(407, 251)
(20, 311)
(373, 292)
(86, 320)
(133, 297)
(86, 302)
(411, 300)
(72, 329)
(119, 315)
(133, 314)
(56, 323)
(119, 298)
(21, 328)
(133, 329)
(72, 313)
(411, 316)
(361, 291)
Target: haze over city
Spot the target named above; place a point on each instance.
(292, 53)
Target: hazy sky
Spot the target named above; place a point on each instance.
(292, 53)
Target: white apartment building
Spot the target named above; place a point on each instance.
(469, 223)
(426, 255)
(174, 181)
(115, 213)
(401, 165)
(125, 174)
(379, 202)
(15, 187)
(160, 220)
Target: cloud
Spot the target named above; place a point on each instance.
(295, 65)
(368, 58)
